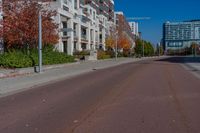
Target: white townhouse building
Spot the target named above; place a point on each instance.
(83, 25)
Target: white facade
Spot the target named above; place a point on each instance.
(134, 28)
(79, 26)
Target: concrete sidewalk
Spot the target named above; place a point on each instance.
(8, 73)
(51, 74)
(194, 68)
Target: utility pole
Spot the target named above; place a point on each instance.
(116, 45)
(40, 42)
(195, 50)
(142, 48)
(159, 49)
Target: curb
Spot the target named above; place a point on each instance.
(11, 73)
(27, 71)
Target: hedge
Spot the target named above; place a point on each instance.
(102, 55)
(17, 59)
(79, 54)
(50, 58)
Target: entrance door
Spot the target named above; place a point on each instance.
(65, 46)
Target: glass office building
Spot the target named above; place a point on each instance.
(180, 35)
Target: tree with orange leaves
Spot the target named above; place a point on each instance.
(124, 37)
(126, 44)
(110, 42)
(20, 23)
(123, 42)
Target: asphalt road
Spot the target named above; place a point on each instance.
(139, 97)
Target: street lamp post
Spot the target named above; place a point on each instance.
(195, 50)
(159, 49)
(40, 42)
(142, 48)
(116, 46)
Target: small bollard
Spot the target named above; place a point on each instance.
(36, 69)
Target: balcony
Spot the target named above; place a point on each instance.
(84, 38)
(91, 40)
(65, 36)
(75, 37)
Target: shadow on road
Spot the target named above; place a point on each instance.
(181, 59)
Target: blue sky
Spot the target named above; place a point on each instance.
(160, 11)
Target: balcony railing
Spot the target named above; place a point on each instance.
(84, 37)
(65, 34)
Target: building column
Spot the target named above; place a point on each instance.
(70, 42)
(98, 39)
(59, 46)
(93, 39)
(88, 36)
(104, 38)
(78, 34)
(78, 3)
(73, 5)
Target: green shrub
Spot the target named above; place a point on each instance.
(15, 59)
(102, 55)
(126, 53)
(79, 54)
(111, 53)
(51, 57)
(18, 59)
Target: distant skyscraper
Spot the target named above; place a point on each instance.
(179, 35)
(134, 28)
